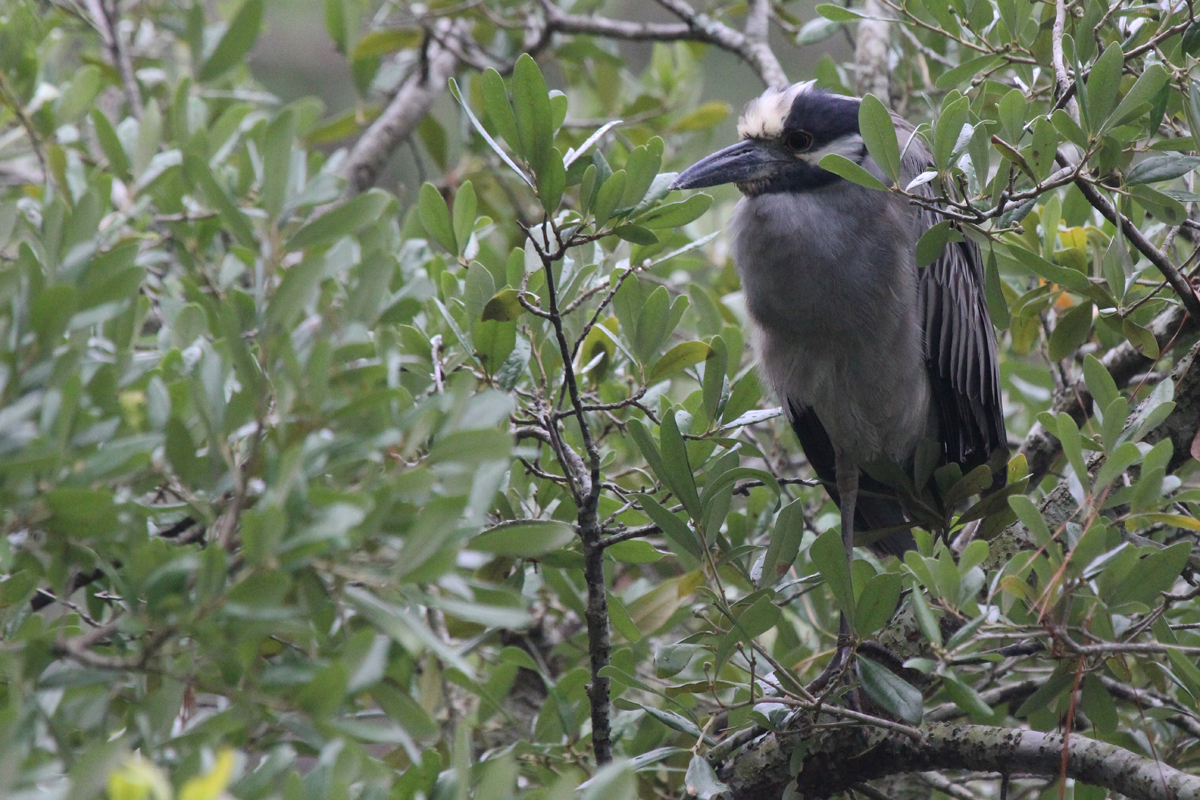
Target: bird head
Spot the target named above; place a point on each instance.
(785, 133)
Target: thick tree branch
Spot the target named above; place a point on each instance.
(751, 46)
(872, 46)
(837, 760)
(403, 114)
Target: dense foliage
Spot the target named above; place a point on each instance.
(315, 489)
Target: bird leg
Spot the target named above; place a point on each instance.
(846, 474)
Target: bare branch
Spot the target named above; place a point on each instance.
(105, 16)
(754, 51)
(405, 111)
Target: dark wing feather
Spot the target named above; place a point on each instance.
(872, 510)
(960, 343)
(960, 352)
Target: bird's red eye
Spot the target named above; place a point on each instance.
(798, 141)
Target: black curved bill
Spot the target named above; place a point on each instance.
(744, 161)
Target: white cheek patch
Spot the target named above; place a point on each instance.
(850, 147)
(764, 116)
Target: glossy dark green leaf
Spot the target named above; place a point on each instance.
(1161, 168)
(829, 557)
(893, 694)
(877, 602)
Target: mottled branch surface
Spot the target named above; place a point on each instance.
(838, 760)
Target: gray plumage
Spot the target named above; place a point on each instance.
(868, 353)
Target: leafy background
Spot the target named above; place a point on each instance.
(317, 490)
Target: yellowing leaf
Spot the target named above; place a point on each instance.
(138, 779)
(211, 785)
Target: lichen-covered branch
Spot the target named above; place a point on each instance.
(838, 760)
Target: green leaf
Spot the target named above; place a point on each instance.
(675, 215)
(465, 207)
(926, 620)
(952, 78)
(641, 168)
(608, 196)
(1040, 154)
(1071, 331)
(966, 698)
(1148, 84)
(235, 43)
(1072, 279)
(81, 513)
(200, 176)
(676, 465)
(634, 551)
(1162, 206)
(838, 13)
(877, 602)
(348, 218)
(893, 694)
(843, 167)
(382, 41)
(551, 181)
(1099, 382)
(701, 781)
(933, 242)
(636, 234)
(679, 357)
(1012, 109)
(504, 306)
(879, 134)
(704, 117)
(482, 131)
(524, 538)
(531, 107)
(1103, 83)
(435, 217)
(672, 526)
(277, 161)
(499, 109)
(948, 130)
(1161, 168)
(829, 557)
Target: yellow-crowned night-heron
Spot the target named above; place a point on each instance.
(867, 353)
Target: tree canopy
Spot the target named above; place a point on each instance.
(320, 482)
